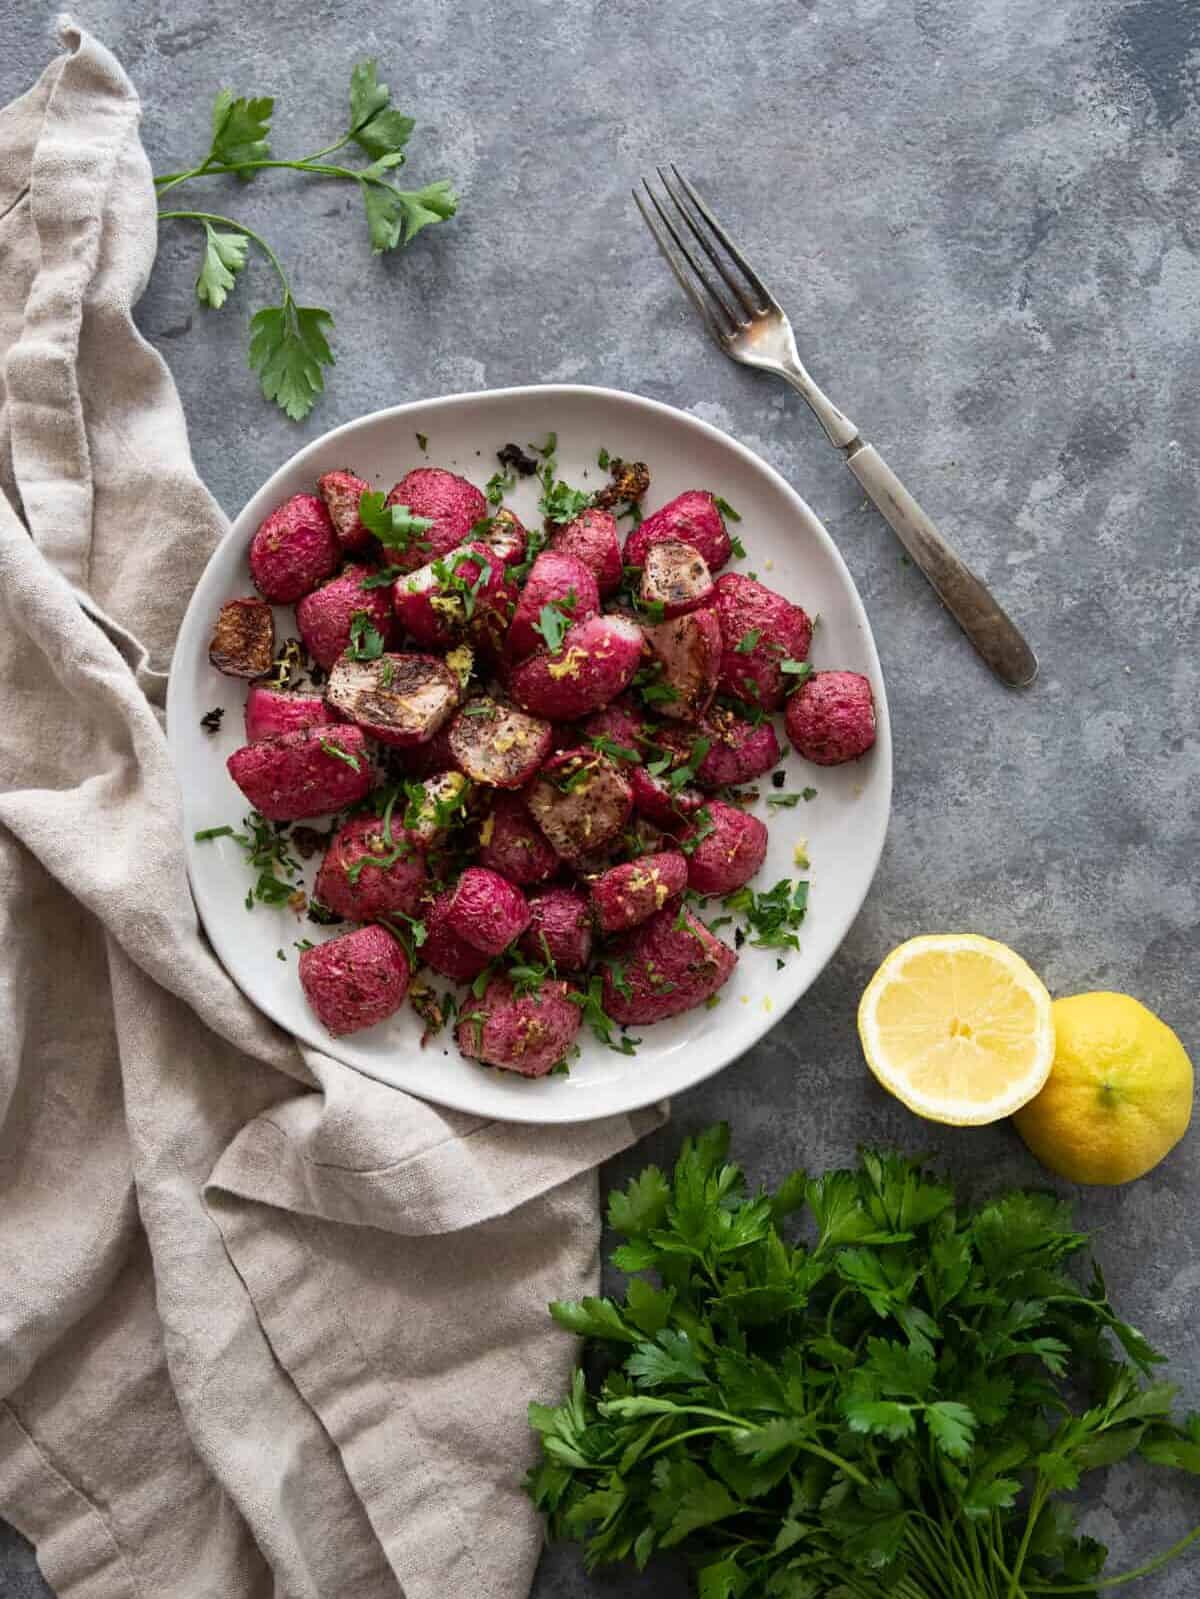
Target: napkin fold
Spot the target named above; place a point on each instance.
(266, 1327)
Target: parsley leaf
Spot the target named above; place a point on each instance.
(394, 526)
(288, 348)
(590, 1002)
(554, 619)
(375, 124)
(239, 131)
(366, 641)
(224, 258)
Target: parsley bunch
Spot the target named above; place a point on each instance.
(289, 342)
(896, 1406)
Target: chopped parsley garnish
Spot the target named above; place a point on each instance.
(280, 956)
(617, 752)
(783, 802)
(382, 579)
(534, 545)
(211, 720)
(479, 708)
(548, 449)
(387, 674)
(577, 773)
(554, 619)
(808, 794)
(590, 1002)
(560, 503)
(454, 585)
(423, 443)
(366, 641)
(322, 914)
(726, 509)
(650, 685)
(738, 548)
(338, 753)
(265, 845)
(702, 826)
(603, 459)
(801, 671)
(687, 771)
(773, 915)
(616, 970)
(395, 526)
(748, 641)
(497, 486)
(410, 936)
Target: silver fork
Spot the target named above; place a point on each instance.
(750, 326)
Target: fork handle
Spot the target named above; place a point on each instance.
(988, 626)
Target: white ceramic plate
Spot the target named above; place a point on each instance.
(843, 826)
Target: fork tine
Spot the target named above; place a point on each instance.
(685, 283)
(722, 333)
(701, 238)
(767, 300)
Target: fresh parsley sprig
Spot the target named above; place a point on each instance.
(289, 343)
(895, 1405)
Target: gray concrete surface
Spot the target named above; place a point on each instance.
(981, 215)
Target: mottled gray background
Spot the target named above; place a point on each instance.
(981, 216)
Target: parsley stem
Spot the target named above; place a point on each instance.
(1126, 1576)
(1041, 1489)
(321, 169)
(228, 222)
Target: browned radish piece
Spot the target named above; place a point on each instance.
(398, 699)
(560, 929)
(294, 549)
(831, 718)
(760, 631)
(329, 617)
(725, 847)
(530, 1034)
(505, 534)
(310, 773)
(631, 893)
(693, 518)
(453, 596)
(243, 641)
(486, 911)
(630, 480)
(370, 870)
(429, 815)
(451, 503)
(687, 652)
(580, 801)
(354, 981)
(510, 844)
(669, 965)
(272, 711)
(498, 745)
(675, 578)
(658, 802)
(592, 539)
(595, 662)
(738, 751)
(444, 952)
(341, 492)
(561, 582)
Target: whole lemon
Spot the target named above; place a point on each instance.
(1119, 1094)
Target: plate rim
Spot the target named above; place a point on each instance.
(556, 1111)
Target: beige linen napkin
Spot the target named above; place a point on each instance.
(266, 1327)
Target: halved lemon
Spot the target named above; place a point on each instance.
(958, 1027)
